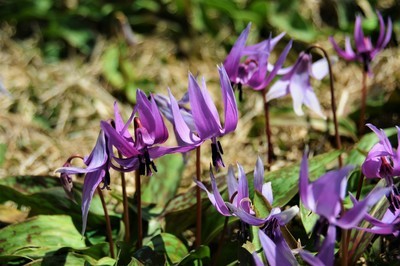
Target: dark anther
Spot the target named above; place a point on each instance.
(146, 164)
(220, 147)
(239, 86)
(106, 181)
(216, 152)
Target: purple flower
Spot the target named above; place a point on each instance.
(365, 51)
(296, 81)
(97, 171)
(248, 65)
(149, 131)
(271, 236)
(384, 162)
(325, 197)
(192, 127)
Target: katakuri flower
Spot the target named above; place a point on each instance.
(149, 132)
(365, 51)
(325, 197)
(296, 82)
(201, 122)
(276, 247)
(383, 161)
(248, 65)
(97, 171)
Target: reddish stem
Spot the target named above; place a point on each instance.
(138, 192)
(270, 152)
(108, 223)
(198, 199)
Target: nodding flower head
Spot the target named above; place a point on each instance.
(202, 121)
(364, 51)
(248, 65)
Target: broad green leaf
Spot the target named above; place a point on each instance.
(163, 185)
(45, 196)
(110, 66)
(261, 206)
(200, 253)
(169, 245)
(39, 235)
(308, 218)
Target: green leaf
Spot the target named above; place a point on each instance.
(110, 66)
(200, 253)
(261, 205)
(285, 181)
(164, 184)
(39, 235)
(169, 245)
(308, 218)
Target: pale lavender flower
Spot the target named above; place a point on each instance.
(365, 51)
(248, 65)
(296, 82)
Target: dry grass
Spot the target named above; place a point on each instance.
(55, 109)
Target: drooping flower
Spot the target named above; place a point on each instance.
(365, 51)
(149, 132)
(192, 127)
(325, 197)
(276, 247)
(248, 65)
(296, 82)
(383, 161)
(97, 171)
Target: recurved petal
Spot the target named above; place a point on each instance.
(327, 250)
(277, 69)
(359, 35)
(92, 181)
(215, 197)
(232, 61)
(320, 68)
(311, 101)
(259, 175)
(122, 144)
(286, 216)
(277, 253)
(305, 192)
(349, 54)
(243, 190)
(207, 125)
(354, 216)
(228, 96)
(245, 216)
(232, 184)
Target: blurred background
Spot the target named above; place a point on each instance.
(64, 63)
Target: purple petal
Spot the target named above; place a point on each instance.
(183, 133)
(231, 111)
(92, 181)
(232, 184)
(215, 197)
(305, 193)
(279, 89)
(243, 189)
(354, 216)
(232, 61)
(267, 192)
(327, 251)
(278, 65)
(359, 35)
(245, 216)
(276, 254)
(259, 175)
(123, 145)
(206, 124)
(349, 54)
(286, 216)
(310, 258)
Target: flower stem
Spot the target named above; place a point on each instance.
(198, 198)
(125, 203)
(333, 102)
(361, 122)
(108, 223)
(270, 152)
(359, 187)
(220, 242)
(138, 192)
